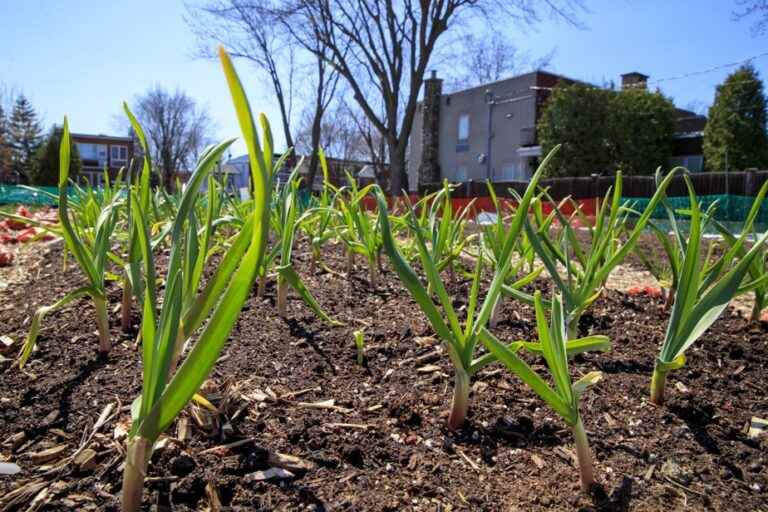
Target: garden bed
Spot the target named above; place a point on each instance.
(382, 444)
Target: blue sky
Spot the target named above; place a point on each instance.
(83, 60)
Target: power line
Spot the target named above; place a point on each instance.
(701, 71)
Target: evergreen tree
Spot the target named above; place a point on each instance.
(575, 116)
(735, 136)
(6, 174)
(45, 167)
(603, 130)
(25, 134)
(642, 124)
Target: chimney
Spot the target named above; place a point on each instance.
(429, 168)
(634, 80)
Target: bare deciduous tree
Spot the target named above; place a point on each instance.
(245, 29)
(382, 49)
(756, 9)
(346, 134)
(490, 58)
(249, 30)
(177, 130)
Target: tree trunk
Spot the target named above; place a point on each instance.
(314, 160)
(398, 177)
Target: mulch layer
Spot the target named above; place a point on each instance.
(374, 437)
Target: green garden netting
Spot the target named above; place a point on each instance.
(30, 196)
(731, 209)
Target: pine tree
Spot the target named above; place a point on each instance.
(45, 168)
(25, 135)
(735, 136)
(6, 175)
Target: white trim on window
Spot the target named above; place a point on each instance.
(118, 155)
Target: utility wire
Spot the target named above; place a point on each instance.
(702, 71)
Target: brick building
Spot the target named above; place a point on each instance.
(489, 132)
(99, 152)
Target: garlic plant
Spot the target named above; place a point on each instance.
(588, 265)
(461, 338)
(90, 247)
(702, 294)
(564, 397)
(165, 392)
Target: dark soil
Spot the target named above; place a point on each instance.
(385, 445)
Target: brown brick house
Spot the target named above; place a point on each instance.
(488, 132)
(99, 152)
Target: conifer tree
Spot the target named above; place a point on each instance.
(25, 135)
(45, 168)
(735, 136)
(6, 174)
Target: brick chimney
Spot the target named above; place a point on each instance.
(429, 168)
(634, 80)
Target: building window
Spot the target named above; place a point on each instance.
(119, 155)
(461, 174)
(462, 144)
(510, 171)
(92, 155)
(463, 128)
(694, 163)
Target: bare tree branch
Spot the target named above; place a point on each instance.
(177, 130)
(753, 9)
(382, 49)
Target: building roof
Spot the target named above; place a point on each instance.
(635, 74)
(535, 74)
(689, 123)
(101, 136)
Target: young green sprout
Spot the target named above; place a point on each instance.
(492, 245)
(667, 273)
(165, 392)
(564, 397)
(460, 340)
(360, 345)
(90, 248)
(132, 272)
(358, 229)
(286, 219)
(443, 228)
(319, 225)
(587, 267)
(702, 294)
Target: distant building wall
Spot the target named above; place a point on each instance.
(99, 152)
